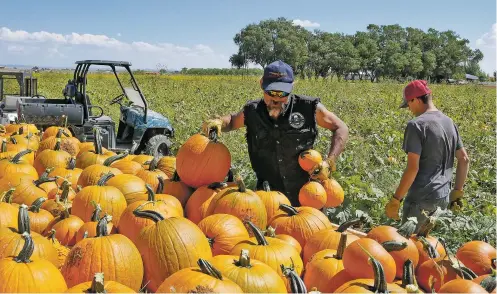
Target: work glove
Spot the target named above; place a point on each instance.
(214, 123)
(392, 208)
(456, 200)
(323, 170)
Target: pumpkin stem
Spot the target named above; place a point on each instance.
(270, 232)
(259, 236)
(150, 192)
(42, 180)
(408, 228)
(71, 164)
(85, 235)
(97, 284)
(66, 185)
(175, 177)
(230, 176)
(288, 209)
(46, 172)
(4, 145)
(115, 158)
(95, 216)
(18, 156)
(59, 133)
(208, 269)
(102, 226)
(51, 235)
(13, 140)
(241, 184)
(27, 249)
(217, 185)
(23, 219)
(153, 164)
(104, 178)
(344, 226)
(341, 246)
(296, 283)
(160, 186)
(211, 242)
(380, 282)
(265, 186)
(213, 135)
(244, 260)
(7, 195)
(489, 283)
(97, 141)
(148, 214)
(35, 207)
(394, 245)
(428, 248)
(408, 277)
(57, 144)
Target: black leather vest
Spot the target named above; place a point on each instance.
(274, 145)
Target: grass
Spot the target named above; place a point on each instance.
(370, 167)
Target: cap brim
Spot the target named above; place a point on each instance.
(279, 86)
(403, 105)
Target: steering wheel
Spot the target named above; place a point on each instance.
(117, 99)
(95, 106)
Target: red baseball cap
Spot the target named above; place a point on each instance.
(414, 89)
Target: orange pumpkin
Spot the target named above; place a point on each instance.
(251, 275)
(14, 165)
(274, 252)
(198, 203)
(92, 174)
(110, 198)
(39, 218)
(461, 286)
(202, 160)
(125, 166)
(271, 232)
(240, 202)
(97, 156)
(151, 175)
(272, 200)
(162, 239)
(324, 265)
(223, 231)
(299, 222)
(329, 239)
(131, 225)
(132, 187)
(66, 227)
(477, 255)
(334, 192)
(36, 275)
(89, 229)
(357, 254)
(54, 131)
(167, 164)
(98, 285)
(8, 215)
(178, 189)
(309, 158)
(51, 158)
(114, 255)
(378, 284)
(202, 279)
(313, 194)
(406, 250)
(70, 172)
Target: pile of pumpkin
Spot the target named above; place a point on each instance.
(75, 217)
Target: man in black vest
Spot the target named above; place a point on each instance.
(279, 127)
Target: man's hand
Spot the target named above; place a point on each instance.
(210, 124)
(322, 171)
(392, 208)
(456, 200)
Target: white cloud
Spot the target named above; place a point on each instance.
(487, 44)
(306, 23)
(62, 50)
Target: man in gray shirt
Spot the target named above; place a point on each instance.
(431, 141)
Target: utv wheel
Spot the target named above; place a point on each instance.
(158, 145)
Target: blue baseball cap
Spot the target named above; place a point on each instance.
(278, 76)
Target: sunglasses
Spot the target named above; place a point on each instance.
(278, 94)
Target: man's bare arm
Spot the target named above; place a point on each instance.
(233, 121)
(329, 120)
(408, 176)
(462, 168)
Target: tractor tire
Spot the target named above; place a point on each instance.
(158, 146)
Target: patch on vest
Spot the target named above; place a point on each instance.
(296, 120)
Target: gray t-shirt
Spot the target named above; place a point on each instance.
(435, 137)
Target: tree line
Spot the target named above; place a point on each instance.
(379, 52)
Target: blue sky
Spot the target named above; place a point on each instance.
(191, 33)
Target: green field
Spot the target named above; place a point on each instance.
(376, 126)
